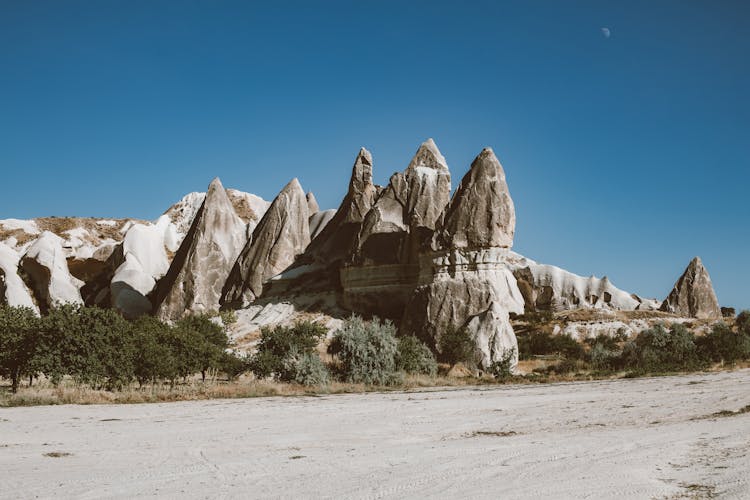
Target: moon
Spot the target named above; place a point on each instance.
(606, 32)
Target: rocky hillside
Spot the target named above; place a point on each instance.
(409, 251)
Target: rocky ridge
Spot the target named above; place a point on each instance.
(408, 251)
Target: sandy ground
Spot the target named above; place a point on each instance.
(640, 438)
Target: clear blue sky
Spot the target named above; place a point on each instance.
(625, 155)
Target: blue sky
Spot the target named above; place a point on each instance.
(626, 156)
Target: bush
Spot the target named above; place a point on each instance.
(659, 350)
(413, 356)
(722, 344)
(502, 368)
(543, 343)
(457, 346)
(279, 343)
(366, 351)
(603, 356)
(305, 368)
(233, 365)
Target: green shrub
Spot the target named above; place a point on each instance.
(413, 356)
(502, 368)
(94, 346)
(278, 343)
(457, 346)
(722, 344)
(543, 343)
(603, 356)
(305, 368)
(366, 351)
(660, 350)
(233, 365)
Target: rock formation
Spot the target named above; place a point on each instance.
(45, 271)
(203, 261)
(280, 237)
(693, 294)
(550, 288)
(465, 281)
(404, 215)
(312, 204)
(481, 213)
(13, 291)
(339, 238)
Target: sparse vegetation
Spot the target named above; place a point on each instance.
(81, 354)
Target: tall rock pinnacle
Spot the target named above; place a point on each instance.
(205, 257)
(339, 237)
(693, 295)
(281, 235)
(481, 213)
(405, 214)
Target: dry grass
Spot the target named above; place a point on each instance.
(43, 393)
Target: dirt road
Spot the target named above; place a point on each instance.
(638, 438)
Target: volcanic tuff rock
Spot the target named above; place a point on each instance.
(550, 288)
(312, 204)
(693, 294)
(45, 271)
(405, 214)
(280, 237)
(13, 291)
(466, 282)
(481, 213)
(202, 263)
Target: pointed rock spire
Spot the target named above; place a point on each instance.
(338, 239)
(205, 257)
(406, 213)
(282, 234)
(481, 213)
(428, 155)
(429, 183)
(693, 295)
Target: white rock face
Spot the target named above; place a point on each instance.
(549, 287)
(13, 291)
(202, 263)
(145, 262)
(46, 269)
(494, 337)
(280, 237)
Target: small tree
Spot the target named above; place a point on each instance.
(206, 340)
(502, 369)
(413, 356)
(278, 344)
(18, 342)
(153, 359)
(457, 346)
